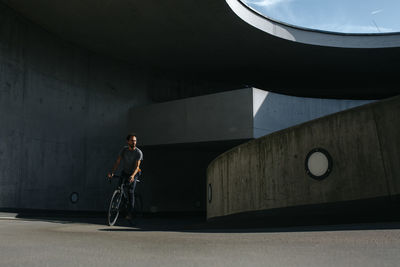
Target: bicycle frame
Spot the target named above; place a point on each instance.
(123, 198)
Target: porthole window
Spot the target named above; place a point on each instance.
(318, 163)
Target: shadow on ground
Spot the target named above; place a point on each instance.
(203, 227)
(198, 223)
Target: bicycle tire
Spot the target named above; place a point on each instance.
(114, 207)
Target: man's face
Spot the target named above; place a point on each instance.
(132, 141)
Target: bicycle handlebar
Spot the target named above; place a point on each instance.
(119, 176)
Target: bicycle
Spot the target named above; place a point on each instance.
(120, 200)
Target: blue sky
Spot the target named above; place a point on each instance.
(347, 16)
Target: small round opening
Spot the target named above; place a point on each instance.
(318, 163)
(74, 197)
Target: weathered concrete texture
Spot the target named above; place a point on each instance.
(63, 113)
(387, 121)
(269, 172)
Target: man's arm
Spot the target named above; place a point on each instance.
(116, 164)
(137, 169)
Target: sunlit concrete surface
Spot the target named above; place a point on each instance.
(232, 115)
(167, 242)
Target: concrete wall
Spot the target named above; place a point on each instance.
(273, 112)
(64, 117)
(180, 138)
(174, 176)
(63, 113)
(233, 115)
(215, 117)
(269, 172)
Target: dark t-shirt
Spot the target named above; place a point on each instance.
(129, 158)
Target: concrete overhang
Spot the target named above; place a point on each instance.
(235, 115)
(208, 38)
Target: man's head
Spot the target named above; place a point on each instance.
(131, 140)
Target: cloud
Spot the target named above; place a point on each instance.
(376, 11)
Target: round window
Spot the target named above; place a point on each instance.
(318, 163)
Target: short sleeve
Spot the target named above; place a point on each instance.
(140, 154)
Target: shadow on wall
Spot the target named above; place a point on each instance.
(273, 112)
(174, 176)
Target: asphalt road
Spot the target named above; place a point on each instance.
(184, 242)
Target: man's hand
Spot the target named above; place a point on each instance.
(115, 168)
(132, 179)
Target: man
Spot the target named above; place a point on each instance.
(131, 157)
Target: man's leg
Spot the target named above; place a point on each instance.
(124, 179)
(132, 198)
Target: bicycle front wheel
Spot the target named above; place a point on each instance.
(113, 209)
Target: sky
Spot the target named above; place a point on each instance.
(345, 16)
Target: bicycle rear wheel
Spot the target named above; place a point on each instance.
(113, 209)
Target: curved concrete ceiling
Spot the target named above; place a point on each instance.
(202, 36)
